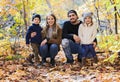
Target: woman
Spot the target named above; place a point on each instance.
(52, 35)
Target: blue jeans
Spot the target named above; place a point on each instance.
(70, 48)
(88, 50)
(49, 50)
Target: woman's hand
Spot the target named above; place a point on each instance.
(43, 42)
(33, 34)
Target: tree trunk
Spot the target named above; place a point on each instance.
(97, 11)
(116, 30)
(115, 15)
(24, 14)
(49, 5)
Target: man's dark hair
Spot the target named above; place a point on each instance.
(72, 11)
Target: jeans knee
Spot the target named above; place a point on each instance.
(65, 43)
(43, 48)
(54, 47)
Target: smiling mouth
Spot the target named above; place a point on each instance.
(71, 19)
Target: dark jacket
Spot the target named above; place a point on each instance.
(70, 29)
(36, 39)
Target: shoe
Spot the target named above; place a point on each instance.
(37, 59)
(29, 59)
(52, 62)
(69, 61)
(83, 61)
(43, 61)
(95, 59)
(80, 60)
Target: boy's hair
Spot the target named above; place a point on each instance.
(72, 11)
(36, 16)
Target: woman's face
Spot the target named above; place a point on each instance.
(88, 20)
(50, 20)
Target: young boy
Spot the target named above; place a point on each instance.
(87, 33)
(35, 41)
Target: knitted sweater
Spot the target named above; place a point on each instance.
(87, 34)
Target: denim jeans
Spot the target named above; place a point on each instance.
(70, 48)
(49, 50)
(88, 50)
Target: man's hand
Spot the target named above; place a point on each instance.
(76, 38)
(43, 42)
(33, 34)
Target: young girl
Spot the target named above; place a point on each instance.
(52, 35)
(87, 33)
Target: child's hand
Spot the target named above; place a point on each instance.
(94, 44)
(33, 34)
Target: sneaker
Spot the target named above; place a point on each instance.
(95, 59)
(80, 60)
(30, 61)
(52, 62)
(83, 61)
(69, 61)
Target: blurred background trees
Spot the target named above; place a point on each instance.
(18, 13)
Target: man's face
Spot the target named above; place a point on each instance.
(73, 17)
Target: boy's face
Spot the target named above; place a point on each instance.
(36, 20)
(88, 20)
(73, 17)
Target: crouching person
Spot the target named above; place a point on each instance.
(87, 33)
(51, 40)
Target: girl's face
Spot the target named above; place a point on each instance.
(50, 20)
(88, 20)
(36, 20)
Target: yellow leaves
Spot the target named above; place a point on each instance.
(109, 16)
(112, 58)
(12, 11)
(97, 4)
(20, 73)
(1, 35)
(108, 43)
(83, 72)
(4, 47)
(1, 72)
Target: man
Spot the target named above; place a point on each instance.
(71, 41)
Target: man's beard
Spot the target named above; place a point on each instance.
(73, 21)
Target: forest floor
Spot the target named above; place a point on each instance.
(19, 70)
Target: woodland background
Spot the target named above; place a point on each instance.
(15, 18)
